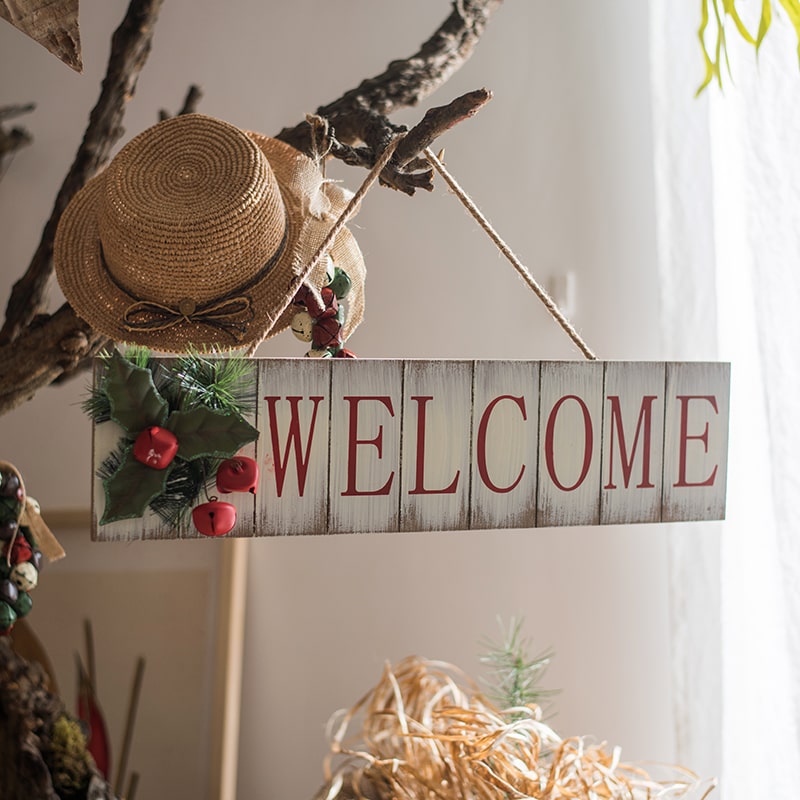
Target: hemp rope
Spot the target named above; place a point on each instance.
(521, 269)
(468, 203)
(322, 250)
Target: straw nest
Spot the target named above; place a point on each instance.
(427, 733)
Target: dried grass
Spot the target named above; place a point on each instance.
(427, 733)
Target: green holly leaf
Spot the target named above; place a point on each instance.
(131, 488)
(135, 401)
(205, 433)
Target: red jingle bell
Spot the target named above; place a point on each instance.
(345, 353)
(214, 518)
(238, 474)
(327, 333)
(21, 551)
(155, 447)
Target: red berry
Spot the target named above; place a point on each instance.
(214, 518)
(155, 447)
(238, 474)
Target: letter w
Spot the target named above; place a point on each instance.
(293, 441)
(645, 415)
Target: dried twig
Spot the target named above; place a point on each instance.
(14, 139)
(360, 115)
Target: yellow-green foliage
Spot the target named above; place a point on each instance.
(68, 759)
(715, 13)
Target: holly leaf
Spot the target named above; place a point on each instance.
(131, 488)
(135, 401)
(205, 433)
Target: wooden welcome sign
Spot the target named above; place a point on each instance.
(407, 445)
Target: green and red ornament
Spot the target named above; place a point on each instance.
(319, 317)
(180, 423)
(23, 538)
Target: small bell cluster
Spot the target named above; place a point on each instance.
(319, 319)
(20, 561)
(216, 517)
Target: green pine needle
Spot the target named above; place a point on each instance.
(185, 484)
(222, 384)
(514, 675)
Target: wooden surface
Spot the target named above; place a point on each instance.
(391, 445)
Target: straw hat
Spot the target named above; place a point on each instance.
(194, 234)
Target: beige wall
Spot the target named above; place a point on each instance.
(561, 161)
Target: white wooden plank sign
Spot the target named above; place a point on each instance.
(358, 446)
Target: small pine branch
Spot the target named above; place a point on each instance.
(112, 462)
(223, 384)
(514, 676)
(187, 481)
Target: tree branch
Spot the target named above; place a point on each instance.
(13, 140)
(37, 349)
(130, 47)
(360, 115)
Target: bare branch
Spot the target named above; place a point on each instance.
(45, 351)
(130, 47)
(16, 138)
(360, 115)
(190, 104)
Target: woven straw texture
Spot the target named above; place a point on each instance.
(193, 235)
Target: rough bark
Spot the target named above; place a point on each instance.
(37, 349)
(12, 140)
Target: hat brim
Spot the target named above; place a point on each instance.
(102, 303)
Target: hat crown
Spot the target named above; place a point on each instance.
(191, 209)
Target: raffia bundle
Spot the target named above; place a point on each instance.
(427, 733)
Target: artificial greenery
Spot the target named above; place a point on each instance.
(513, 680)
(201, 399)
(712, 32)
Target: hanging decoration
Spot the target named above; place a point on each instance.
(320, 317)
(25, 540)
(182, 422)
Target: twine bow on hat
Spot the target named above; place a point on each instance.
(231, 315)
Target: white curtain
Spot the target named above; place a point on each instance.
(728, 205)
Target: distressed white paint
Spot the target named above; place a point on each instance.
(437, 412)
(570, 421)
(392, 445)
(366, 404)
(695, 441)
(504, 444)
(633, 441)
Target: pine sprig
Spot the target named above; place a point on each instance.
(514, 675)
(186, 482)
(222, 384)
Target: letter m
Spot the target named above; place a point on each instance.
(617, 435)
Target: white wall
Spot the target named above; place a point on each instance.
(561, 161)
